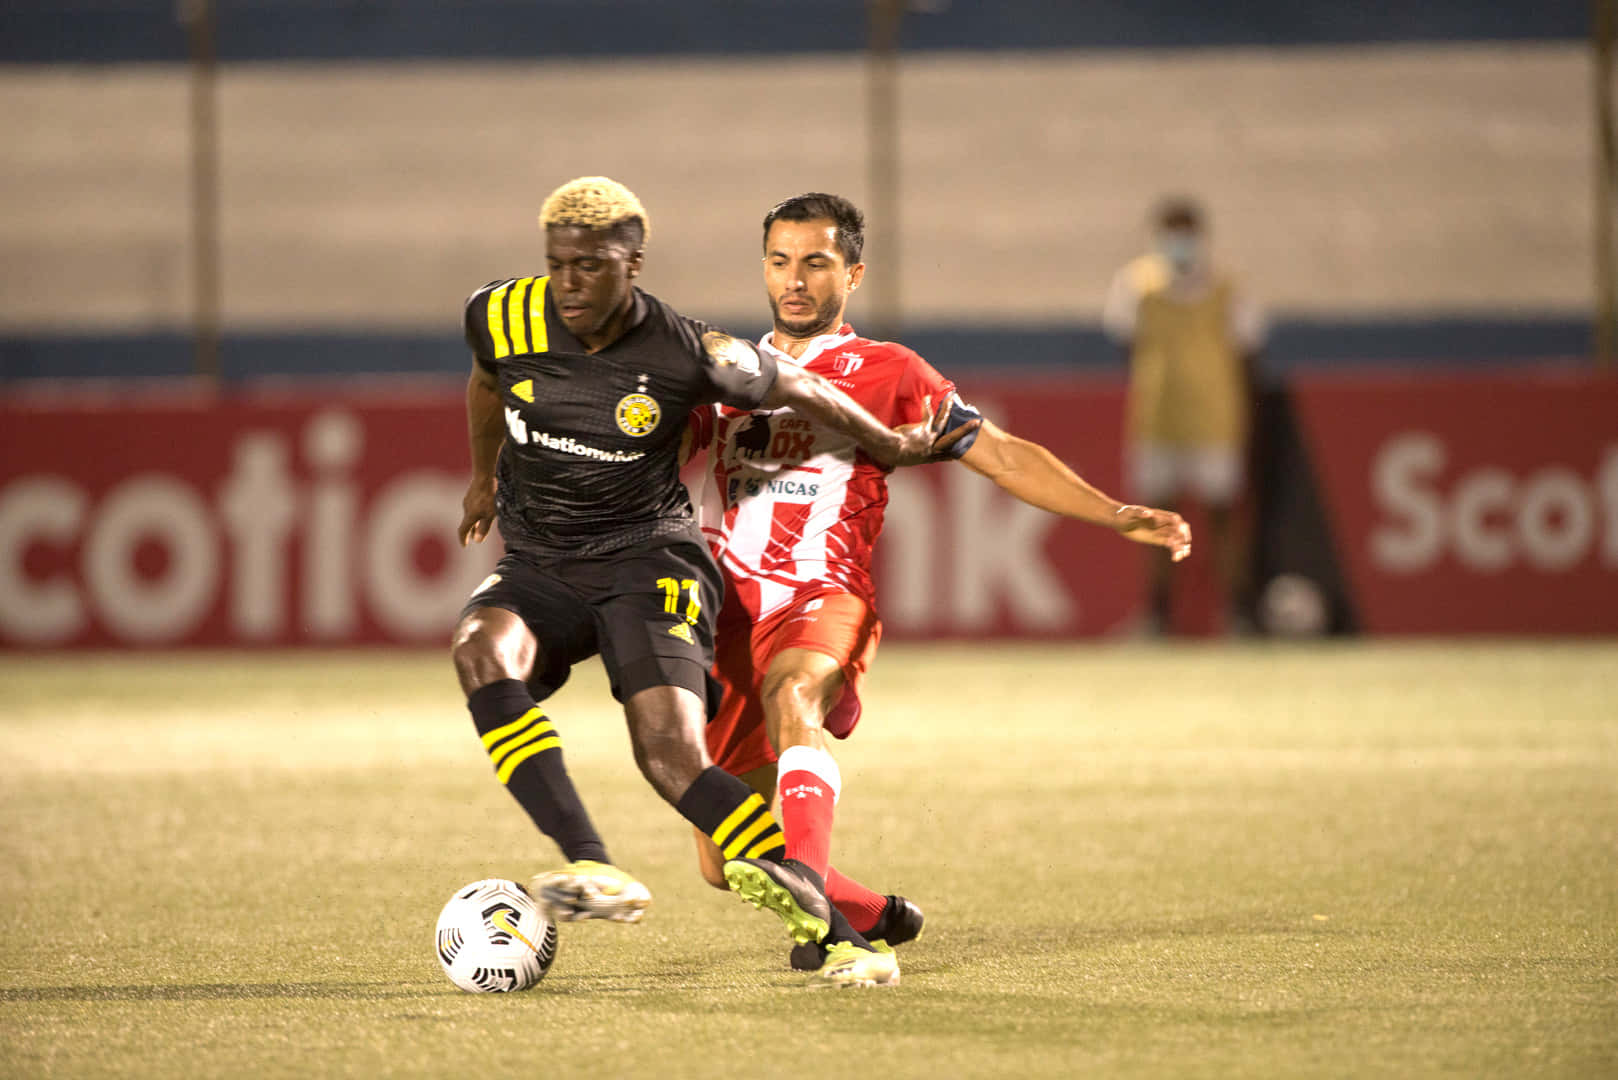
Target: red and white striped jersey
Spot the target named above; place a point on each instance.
(790, 507)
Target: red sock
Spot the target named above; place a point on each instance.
(808, 781)
(859, 905)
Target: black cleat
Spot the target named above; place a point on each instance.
(808, 957)
(787, 888)
(901, 921)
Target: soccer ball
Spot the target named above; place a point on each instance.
(1293, 606)
(492, 938)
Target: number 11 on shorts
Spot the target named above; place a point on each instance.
(672, 587)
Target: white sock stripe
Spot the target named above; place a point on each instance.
(808, 759)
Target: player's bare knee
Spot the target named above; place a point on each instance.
(667, 765)
(793, 704)
(485, 651)
(665, 732)
(793, 693)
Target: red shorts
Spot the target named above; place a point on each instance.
(842, 626)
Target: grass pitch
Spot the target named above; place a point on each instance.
(1390, 859)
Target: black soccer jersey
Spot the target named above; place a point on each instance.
(591, 458)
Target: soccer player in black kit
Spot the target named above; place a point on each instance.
(577, 402)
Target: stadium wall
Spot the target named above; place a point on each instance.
(1387, 202)
(1477, 503)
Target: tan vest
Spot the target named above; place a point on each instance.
(1187, 386)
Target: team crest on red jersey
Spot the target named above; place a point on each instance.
(847, 363)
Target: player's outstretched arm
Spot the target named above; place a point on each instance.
(1037, 477)
(485, 431)
(817, 398)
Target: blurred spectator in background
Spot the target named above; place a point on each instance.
(1193, 342)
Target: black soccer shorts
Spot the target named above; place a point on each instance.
(648, 609)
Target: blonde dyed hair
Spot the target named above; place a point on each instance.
(594, 202)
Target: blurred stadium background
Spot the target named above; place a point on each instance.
(235, 236)
(265, 190)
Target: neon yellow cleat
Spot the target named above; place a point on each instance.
(848, 966)
(781, 888)
(591, 890)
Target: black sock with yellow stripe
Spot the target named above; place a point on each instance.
(734, 815)
(527, 755)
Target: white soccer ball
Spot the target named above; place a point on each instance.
(493, 938)
(1293, 606)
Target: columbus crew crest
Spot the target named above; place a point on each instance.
(638, 414)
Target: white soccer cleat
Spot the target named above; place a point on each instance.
(848, 966)
(591, 890)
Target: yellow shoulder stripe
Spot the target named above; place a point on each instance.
(520, 305)
(539, 339)
(497, 321)
(515, 314)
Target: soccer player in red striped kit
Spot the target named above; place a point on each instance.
(792, 511)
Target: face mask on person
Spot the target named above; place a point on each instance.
(1181, 248)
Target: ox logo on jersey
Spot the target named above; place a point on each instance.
(638, 414)
(752, 439)
(847, 363)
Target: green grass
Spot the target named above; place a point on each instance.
(1363, 860)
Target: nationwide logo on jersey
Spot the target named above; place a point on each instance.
(638, 415)
(525, 390)
(847, 363)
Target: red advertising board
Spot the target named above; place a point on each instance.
(305, 517)
(959, 558)
(313, 517)
(1478, 502)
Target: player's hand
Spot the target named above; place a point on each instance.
(477, 511)
(922, 442)
(1164, 528)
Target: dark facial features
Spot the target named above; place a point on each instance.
(591, 274)
(806, 278)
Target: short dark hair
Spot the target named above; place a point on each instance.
(631, 232)
(1178, 212)
(819, 206)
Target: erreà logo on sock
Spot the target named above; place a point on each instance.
(803, 791)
